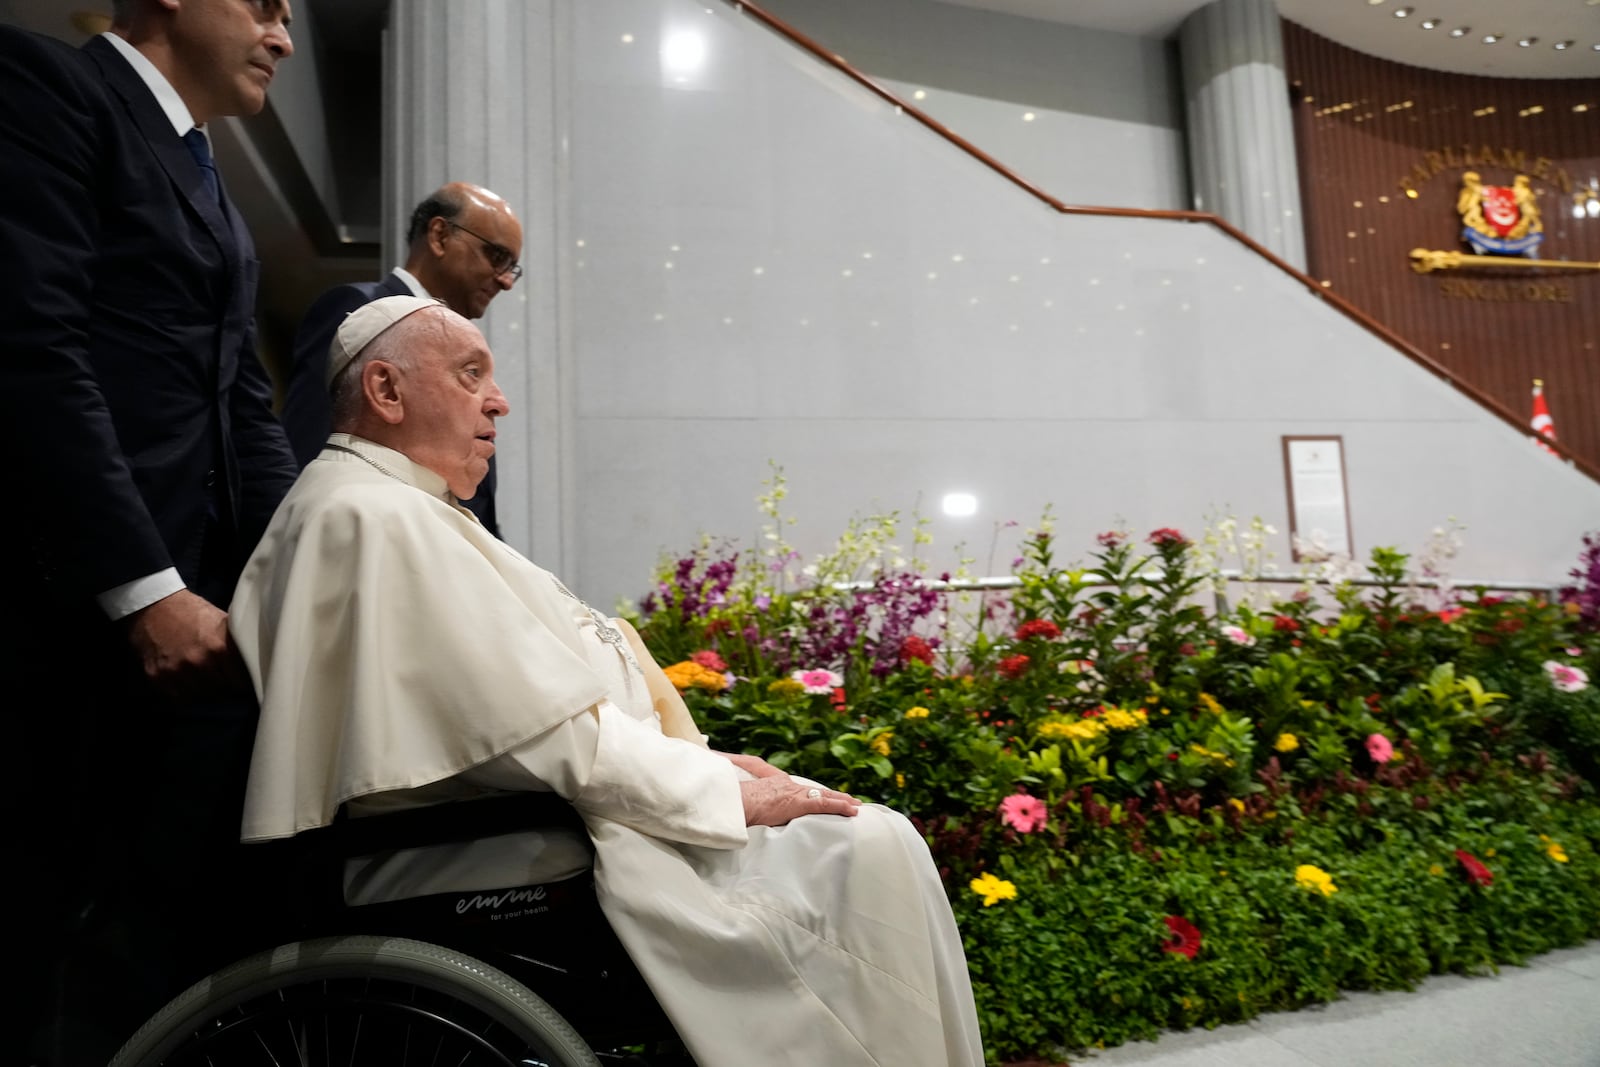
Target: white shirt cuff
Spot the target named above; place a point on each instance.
(130, 597)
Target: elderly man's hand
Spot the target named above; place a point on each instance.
(184, 644)
(778, 799)
(754, 766)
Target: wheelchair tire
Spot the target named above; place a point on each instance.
(357, 1001)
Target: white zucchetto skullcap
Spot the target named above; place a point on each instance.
(367, 322)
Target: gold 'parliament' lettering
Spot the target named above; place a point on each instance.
(1453, 157)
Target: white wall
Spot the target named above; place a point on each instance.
(1107, 126)
(1141, 369)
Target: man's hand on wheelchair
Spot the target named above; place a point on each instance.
(778, 799)
(183, 642)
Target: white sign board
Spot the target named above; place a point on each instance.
(1319, 512)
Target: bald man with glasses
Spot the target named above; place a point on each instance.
(463, 244)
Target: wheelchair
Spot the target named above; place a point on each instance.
(530, 976)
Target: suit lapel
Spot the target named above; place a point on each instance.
(165, 144)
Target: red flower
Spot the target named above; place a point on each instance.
(1166, 536)
(1186, 649)
(1449, 615)
(1110, 539)
(1013, 666)
(1038, 628)
(1285, 623)
(1185, 939)
(1477, 873)
(709, 660)
(1095, 712)
(837, 698)
(916, 648)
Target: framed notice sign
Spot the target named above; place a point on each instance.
(1319, 508)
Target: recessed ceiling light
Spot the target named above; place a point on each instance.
(1402, 12)
(1461, 31)
(1429, 24)
(1374, 3)
(1562, 46)
(1528, 42)
(1491, 38)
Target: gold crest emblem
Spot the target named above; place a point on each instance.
(1498, 211)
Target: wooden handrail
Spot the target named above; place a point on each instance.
(1334, 300)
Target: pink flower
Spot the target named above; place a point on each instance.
(818, 681)
(1166, 536)
(1023, 813)
(1238, 636)
(1566, 678)
(709, 660)
(1379, 748)
(1111, 538)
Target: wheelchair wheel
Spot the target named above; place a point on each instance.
(357, 1001)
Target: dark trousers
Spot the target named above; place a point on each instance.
(133, 884)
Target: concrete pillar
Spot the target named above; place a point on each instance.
(479, 92)
(1241, 137)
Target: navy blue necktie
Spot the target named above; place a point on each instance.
(200, 149)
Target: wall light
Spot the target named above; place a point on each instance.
(1402, 12)
(1429, 24)
(1562, 46)
(1461, 31)
(959, 505)
(683, 53)
(1491, 38)
(1528, 42)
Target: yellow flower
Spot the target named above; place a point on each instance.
(691, 675)
(1556, 852)
(1436, 870)
(1236, 804)
(1081, 730)
(1489, 853)
(880, 744)
(899, 781)
(1309, 877)
(784, 688)
(1286, 743)
(918, 712)
(1220, 757)
(1121, 719)
(992, 889)
(1209, 703)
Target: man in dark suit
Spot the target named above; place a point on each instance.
(463, 244)
(132, 397)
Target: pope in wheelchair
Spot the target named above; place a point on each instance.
(518, 757)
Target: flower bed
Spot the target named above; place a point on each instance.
(1149, 814)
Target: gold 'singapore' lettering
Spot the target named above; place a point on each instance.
(1505, 292)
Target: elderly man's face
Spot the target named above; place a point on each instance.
(451, 402)
(481, 248)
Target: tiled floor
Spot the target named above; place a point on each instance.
(1546, 1014)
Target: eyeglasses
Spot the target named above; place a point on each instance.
(501, 258)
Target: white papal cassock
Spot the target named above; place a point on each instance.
(403, 655)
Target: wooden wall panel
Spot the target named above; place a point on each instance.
(1383, 148)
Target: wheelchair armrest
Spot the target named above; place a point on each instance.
(462, 820)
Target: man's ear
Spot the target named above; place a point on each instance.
(438, 230)
(380, 385)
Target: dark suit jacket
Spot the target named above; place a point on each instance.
(138, 422)
(307, 408)
(130, 389)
